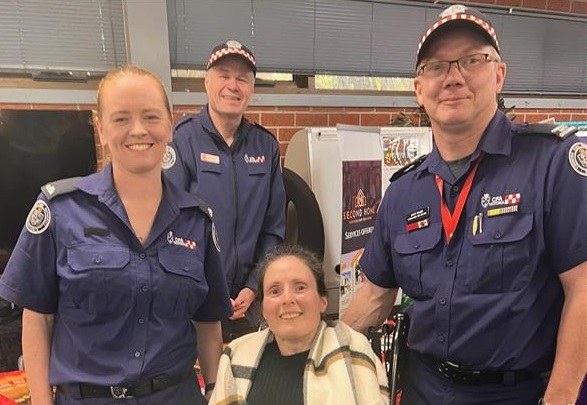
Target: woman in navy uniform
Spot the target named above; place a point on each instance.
(113, 268)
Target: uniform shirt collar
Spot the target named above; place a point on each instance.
(496, 139)
(101, 184)
(210, 128)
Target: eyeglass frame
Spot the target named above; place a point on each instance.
(422, 68)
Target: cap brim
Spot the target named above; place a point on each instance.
(452, 24)
(234, 55)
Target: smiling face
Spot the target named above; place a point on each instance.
(456, 100)
(229, 86)
(292, 305)
(134, 122)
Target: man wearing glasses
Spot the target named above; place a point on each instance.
(486, 234)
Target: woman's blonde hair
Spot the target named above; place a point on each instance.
(127, 70)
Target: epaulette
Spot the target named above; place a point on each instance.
(60, 187)
(204, 207)
(262, 128)
(186, 118)
(410, 166)
(207, 210)
(559, 131)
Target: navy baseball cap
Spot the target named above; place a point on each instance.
(235, 48)
(454, 16)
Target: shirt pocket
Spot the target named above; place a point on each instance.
(256, 169)
(211, 167)
(98, 281)
(415, 264)
(182, 286)
(499, 258)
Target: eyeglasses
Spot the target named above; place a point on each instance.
(466, 64)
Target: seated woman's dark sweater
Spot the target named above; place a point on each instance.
(278, 379)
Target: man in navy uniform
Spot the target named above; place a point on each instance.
(234, 165)
(486, 234)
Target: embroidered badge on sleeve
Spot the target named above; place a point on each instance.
(215, 237)
(39, 218)
(168, 158)
(578, 158)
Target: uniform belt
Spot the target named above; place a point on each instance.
(83, 390)
(463, 376)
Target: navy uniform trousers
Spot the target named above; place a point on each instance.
(425, 386)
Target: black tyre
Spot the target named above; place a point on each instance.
(303, 217)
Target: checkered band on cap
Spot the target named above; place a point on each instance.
(461, 13)
(231, 48)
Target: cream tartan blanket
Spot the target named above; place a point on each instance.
(341, 369)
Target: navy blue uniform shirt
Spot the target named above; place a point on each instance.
(491, 299)
(242, 183)
(122, 310)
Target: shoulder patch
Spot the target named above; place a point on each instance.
(578, 158)
(559, 131)
(39, 218)
(215, 238)
(410, 166)
(169, 158)
(60, 187)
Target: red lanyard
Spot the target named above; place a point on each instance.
(450, 221)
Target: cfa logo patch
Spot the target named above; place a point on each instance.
(492, 201)
(254, 159)
(177, 241)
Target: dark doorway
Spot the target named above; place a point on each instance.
(37, 147)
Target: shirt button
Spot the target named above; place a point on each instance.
(97, 259)
(441, 338)
(442, 301)
(448, 263)
(416, 245)
(497, 235)
(137, 354)
(455, 188)
(186, 268)
(144, 288)
(142, 255)
(141, 321)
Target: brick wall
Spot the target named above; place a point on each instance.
(285, 121)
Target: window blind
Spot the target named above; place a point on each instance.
(61, 35)
(545, 53)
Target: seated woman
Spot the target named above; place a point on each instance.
(298, 359)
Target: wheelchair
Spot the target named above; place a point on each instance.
(389, 342)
